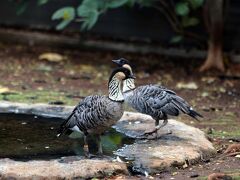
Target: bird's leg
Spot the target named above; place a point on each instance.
(157, 127)
(155, 130)
(85, 147)
(99, 144)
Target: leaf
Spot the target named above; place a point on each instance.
(196, 3)
(62, 25)
(4, 89)
(190, 85)
(116, 3)
(91, 4)
(52, 57)
(89, 13)
(189, 21)
(67, 14)
(182, 9)
(21, 7)
(42, 2)
(92, 19)
(176, 39)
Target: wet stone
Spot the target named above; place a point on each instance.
(186, 144)
(72, 168)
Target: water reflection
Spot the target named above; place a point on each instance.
(25, 137)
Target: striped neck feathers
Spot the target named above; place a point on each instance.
(114, 88)
(128, 85)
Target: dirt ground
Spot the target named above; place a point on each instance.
(26, 78)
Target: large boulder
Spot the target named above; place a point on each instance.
(186, 145)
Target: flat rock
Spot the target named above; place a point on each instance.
(64, 168)
(186, 145)
(40, 109)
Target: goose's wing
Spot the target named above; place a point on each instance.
(87, 114)
(161, 99)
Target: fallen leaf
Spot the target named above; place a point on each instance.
(52, 57)
(190, 85)
(232, 148)
(237, 156)
(222, 90)
(219, 176)
(209, 80)
(205, 94)
(4, 89)
(43, 67)
(174, 173)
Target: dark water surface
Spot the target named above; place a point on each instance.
(25, 137)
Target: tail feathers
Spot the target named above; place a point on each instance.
(194, 114)
(60, 132)
(64, 127)
(64, 131)
(185, 108)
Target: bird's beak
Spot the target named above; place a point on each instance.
(117, 61)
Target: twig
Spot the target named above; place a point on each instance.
(229, 155)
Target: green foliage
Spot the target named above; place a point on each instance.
(42, 2)
(21, 5)
(189, 21)
(178, 12)
(176, 39)
(67, 14)
(196, 3)
(182, 9)
(116, 3)
(89, 11)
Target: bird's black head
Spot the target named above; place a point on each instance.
(120, 62)
(121, 73)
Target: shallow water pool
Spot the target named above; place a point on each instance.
(26, 137)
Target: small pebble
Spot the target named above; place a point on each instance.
(174, 173)
(194, 175)
(185, 166)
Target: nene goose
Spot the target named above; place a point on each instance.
(95, 114)
(154, 100)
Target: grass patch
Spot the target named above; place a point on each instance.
(233, 133)
(39, 97)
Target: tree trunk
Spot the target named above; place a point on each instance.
(214, 21)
